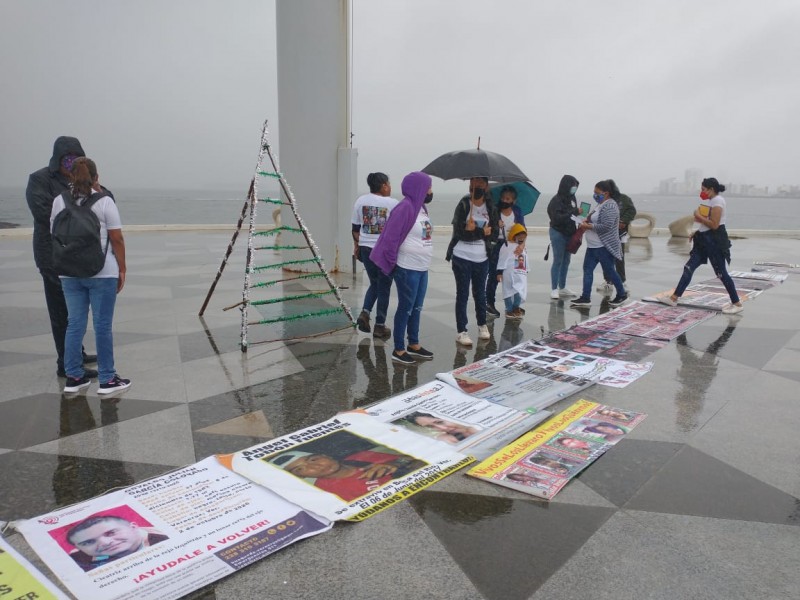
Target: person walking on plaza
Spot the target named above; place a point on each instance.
(43, 186)
(475, 229)
(563, 206)
(369, 218)
(404, 250)
(602, 244)
(627, 213)
(710, 243)
(98, 291)
(509, 214)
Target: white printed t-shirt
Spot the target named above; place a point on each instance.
(108, 215)
(371, 212)
(416, 251)
(474, 251)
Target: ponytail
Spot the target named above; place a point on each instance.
(84, 175)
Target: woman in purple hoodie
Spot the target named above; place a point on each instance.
(404, 250)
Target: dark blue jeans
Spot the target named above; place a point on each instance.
(470, 273)
(491, 280)
(698, 256)
(606, 259)
(379, 286)
(411, 289)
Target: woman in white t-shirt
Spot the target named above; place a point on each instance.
(404, 250)
(710, 243)
(98, 292)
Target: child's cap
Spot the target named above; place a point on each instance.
(516, 229)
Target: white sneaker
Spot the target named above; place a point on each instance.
(483, 332)
(564, 292)
(668, 300)
(732, 309)
(605, 288)
(463, 339)
(554, 295)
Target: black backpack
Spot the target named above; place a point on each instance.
(77, 251)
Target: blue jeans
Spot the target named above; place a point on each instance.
(513, 302)
(561, 258)
(698, 257)
(466, 273)
(101, 294)
(411, 289)
(606, 259)
(379, 286)
(491, 281)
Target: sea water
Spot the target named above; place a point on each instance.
(156, 207)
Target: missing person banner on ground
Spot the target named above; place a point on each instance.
(701, 296)
(544, 460)
(349, 467)
(20, 580)
(165, 537)
(527, 388)
(469, 425)
(775, 267)
(763, 276)
(649, 320)
(602, 343)
(605, 371)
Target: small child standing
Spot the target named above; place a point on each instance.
(512, 271)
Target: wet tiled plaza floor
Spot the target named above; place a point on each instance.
(703, 500)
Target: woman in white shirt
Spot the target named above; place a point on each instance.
(710, 243)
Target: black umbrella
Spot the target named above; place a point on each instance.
(465, 164)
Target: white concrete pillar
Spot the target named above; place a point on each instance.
(313, 123)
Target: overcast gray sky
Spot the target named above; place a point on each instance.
(172, 93)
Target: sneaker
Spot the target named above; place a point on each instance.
(381, 331)
(512, 315)
(564, 292)
(463, 339)
(491, 310)
(76, 384)
(362, 323)
(668, 301)
(403, 359)
(419, 353)
(605, 288)
(618, 300)
(581, 302)
(117, 384)
(87, 373)
(732, 309)
(520, 312)
(483, 332)
(554, 295)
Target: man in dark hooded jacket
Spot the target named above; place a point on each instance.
(43, 186)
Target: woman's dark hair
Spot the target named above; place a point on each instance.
(712, 184)
(84, 174)
(614, 189)
(376, 180)
(508, 189)
(605, 186)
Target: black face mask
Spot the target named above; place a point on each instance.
(478, 193)
(504, 205)
(428, 198)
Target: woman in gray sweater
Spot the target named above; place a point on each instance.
(602, 244)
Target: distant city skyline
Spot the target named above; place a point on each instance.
(693, 177)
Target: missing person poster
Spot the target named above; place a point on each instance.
(544, 460)
(349, 467)
(467, 424)
(20, 580)
(527, 388)
(602, 343)
(165, 537)
(652, 321)
(605, 371)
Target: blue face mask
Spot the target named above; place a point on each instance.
(598, 197)
(573, 189)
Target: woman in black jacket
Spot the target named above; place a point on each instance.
(561, 209)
